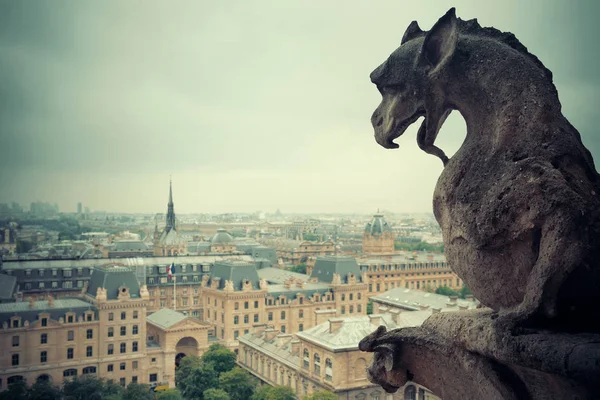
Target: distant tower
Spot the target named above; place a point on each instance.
(169, 242)
(79, 208)
(378, 237)
(170, 210)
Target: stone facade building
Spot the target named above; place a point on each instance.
(378, 237)
(325, 357)
(112, 317)
(410, 271)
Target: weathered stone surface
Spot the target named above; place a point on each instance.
(518, 203)
(470, 355)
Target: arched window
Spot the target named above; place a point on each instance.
(410, 392)
(69, 372)
(317, 365)
(306, 357)
(89, 370)
(14, 379)
(328, 369)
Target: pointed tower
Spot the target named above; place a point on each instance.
(170, 210)
(170, 243)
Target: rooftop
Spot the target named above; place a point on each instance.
(411, 299)
(165, 318)
(345, 333)
(59, 304)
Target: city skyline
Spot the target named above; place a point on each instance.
(247, 108)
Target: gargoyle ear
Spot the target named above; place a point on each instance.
(412, 32)
(440, 42)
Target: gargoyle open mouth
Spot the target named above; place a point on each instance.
(399, 128)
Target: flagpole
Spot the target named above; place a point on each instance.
(174, 289)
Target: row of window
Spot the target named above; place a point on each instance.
(122, 366)
(403, 267)
(66, 272)
(163, 292)
(351, 309)
(89, 334)
(236, 305)
(111, 316)
(122, 348)
(54, 285)
(317, 364)
(123, 329)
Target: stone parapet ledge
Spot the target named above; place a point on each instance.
(474, 355)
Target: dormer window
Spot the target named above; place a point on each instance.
(27, 272)
(15, 322)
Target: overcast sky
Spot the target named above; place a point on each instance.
(249, 105)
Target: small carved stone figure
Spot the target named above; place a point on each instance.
(518, 202)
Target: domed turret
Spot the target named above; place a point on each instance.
(378, 237)
(377, 225)
(221, 237)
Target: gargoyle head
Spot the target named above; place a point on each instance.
(409, 81)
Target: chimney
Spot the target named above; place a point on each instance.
(395, 316)
(282, 339)
(31, 302)
(453, 299)
(270, 334)
(423, 306)
(375, 319)
(335, 324)
(295, 343)
(470, 297)
(288, 283)
(321, 316)
(50, 301)
(300, 283)
(436, 310)
(463, 307)
(259, 329)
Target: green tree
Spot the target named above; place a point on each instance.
(199, 380)
(16, 390)
(221, 358)
(186, 366)
(137, 391)
(464, 292)
(43, 390)
(300, 268)
(267, 392)
(238, 383)
(89, 387)
(321, 395)
(369, 307)
(216, 394)
(171, 394)
(446, 291)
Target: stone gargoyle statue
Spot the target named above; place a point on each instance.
(518, 203)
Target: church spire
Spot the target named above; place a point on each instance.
(170, 210)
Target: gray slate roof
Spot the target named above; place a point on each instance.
(412, 300)
(277, 275)
(165, 318)
(27, 313)
(326, 266)
(8, 285)
(130, 245)
(351, 331)
(112, 278)
(236, 271)
(283, 352)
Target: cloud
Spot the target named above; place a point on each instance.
(249, 105)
